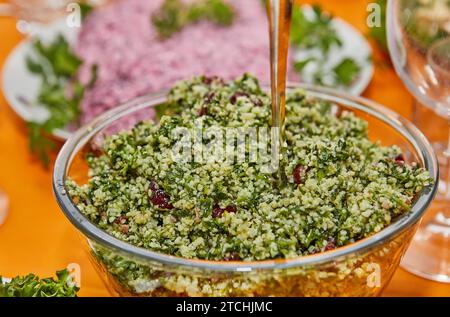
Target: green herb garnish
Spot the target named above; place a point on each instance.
(346, 71)
(60, 93)
(174, 15)
(300, 65)
(32, 286)
(317, 32)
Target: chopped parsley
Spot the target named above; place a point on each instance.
(315, 32)
(60, 92)
(318, 32)
(346, 71)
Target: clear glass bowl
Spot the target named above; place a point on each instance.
(363, 268)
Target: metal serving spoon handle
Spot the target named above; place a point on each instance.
(280, 14)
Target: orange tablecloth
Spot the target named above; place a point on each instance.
(37, 237)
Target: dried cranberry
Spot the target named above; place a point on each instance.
(203, 111)
(159, 197)
(400, 159)
(331, 245)
(124, 228)
(209, 97)
(236, 95)
(218, 212)
(258, 102)
(121, 220)
(207, 80)
(298, 171)
(234, 256)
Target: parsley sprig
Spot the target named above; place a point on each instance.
(315, 32)
(318, 32)
(174, 15)
(60, 92)
(32, 286)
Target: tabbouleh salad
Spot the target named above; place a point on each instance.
(342, 186)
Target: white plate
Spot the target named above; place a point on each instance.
(21, 88)
(354, 45)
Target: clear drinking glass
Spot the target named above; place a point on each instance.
(363, 268)
(419, 44)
